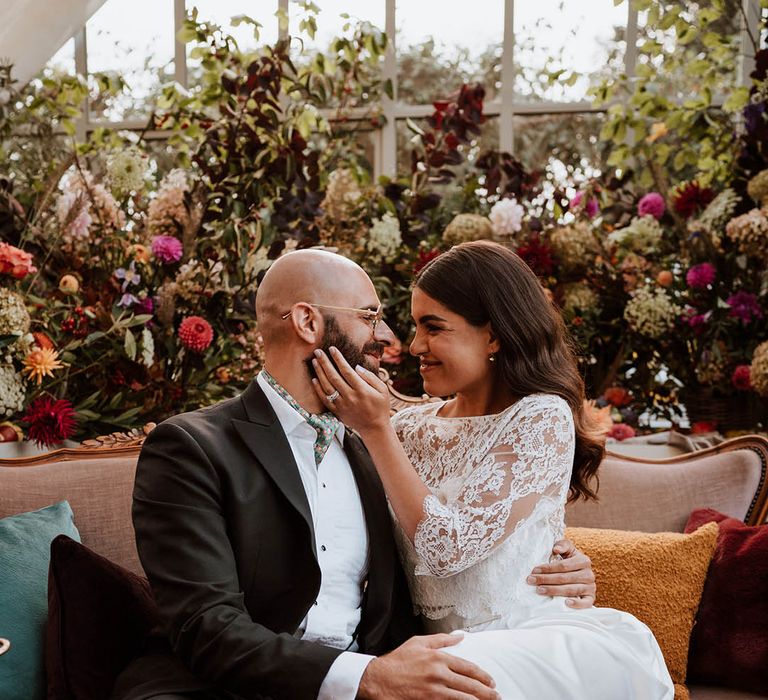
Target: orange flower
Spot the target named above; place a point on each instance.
(41, 362)
(658, 130)
(141, 253)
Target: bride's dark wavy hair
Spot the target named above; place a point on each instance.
(485, 282)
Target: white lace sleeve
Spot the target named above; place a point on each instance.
(529, 461)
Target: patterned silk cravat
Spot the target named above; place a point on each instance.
(325, 424)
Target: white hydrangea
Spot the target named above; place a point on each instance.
(651, 312)
(643, 235)
(384, 236)
(579, 297)
(126, 170)
(507, 217)
(14, 317)
(12, 391)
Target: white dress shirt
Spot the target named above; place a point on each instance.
(341, 539)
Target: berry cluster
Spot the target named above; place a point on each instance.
(76, 323)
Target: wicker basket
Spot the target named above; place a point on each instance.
(742, 411)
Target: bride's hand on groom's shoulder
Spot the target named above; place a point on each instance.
(420, 669)
(569, 574)
(356, 395)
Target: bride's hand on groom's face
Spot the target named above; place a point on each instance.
(360, 398)
(568, 575)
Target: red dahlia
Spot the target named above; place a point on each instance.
(195, 333)
(425, 256)
(742, 377)
(690, 197)
(538, 256)
(50, 420)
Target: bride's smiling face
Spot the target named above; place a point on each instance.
(454, 354)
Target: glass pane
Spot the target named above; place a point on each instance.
(565, 147)
(63, 61)
(221, 12)
(488, 139)
(330, 23)
(441, 45)
(558, 42)
(132, 39)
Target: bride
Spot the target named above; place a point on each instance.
(478, 483)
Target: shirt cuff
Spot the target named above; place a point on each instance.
(343, 678)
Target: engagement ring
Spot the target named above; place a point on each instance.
(332, 397)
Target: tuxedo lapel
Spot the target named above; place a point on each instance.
(382, 557)
(264, 437)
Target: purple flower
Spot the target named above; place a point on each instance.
(744, 306)
(129, 276)
(167, 249)
(651, 205)
(753, 114)
(701, 276)
(144, 306)
(591, 208)
(127, 300)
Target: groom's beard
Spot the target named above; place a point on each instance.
(335, 337)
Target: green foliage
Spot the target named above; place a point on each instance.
(667, 119)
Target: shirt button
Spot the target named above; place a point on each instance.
(322, 546)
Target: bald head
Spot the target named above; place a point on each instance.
(313, 276)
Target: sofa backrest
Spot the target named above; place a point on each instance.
(99, 489)
(659, 495)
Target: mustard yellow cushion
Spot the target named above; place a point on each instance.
(657, 577)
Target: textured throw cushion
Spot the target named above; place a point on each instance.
(729, 645)
(25, 543)
(658, 577)
(100, 616)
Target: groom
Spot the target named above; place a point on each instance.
(265, 534)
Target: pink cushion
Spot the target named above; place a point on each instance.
(659, 497)
(99, 491)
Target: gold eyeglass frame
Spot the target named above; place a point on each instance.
(372, 317)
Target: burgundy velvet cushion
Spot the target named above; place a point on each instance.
(729, 645)
(99, 618)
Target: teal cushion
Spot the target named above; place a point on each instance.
(25, 551)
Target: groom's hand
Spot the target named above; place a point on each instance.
(418, 669)
(569, 575)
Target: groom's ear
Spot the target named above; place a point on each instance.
(307, 323)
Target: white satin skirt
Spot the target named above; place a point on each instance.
(564, 654)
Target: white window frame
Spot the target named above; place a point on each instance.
(506, 106)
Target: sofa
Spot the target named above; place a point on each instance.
(644, 495)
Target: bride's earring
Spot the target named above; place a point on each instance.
(491, 358)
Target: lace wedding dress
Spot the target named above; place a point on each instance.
(499, 485)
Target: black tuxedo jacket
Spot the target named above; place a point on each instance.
(225, 535)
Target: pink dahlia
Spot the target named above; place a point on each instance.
(167, 249)
(50, 421)
(742, 377)
(591, 208)
(621, 431)
(195, 333)
(745, 307)
(651, 205)
(701, 276)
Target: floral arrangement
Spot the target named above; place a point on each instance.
(126, 293)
